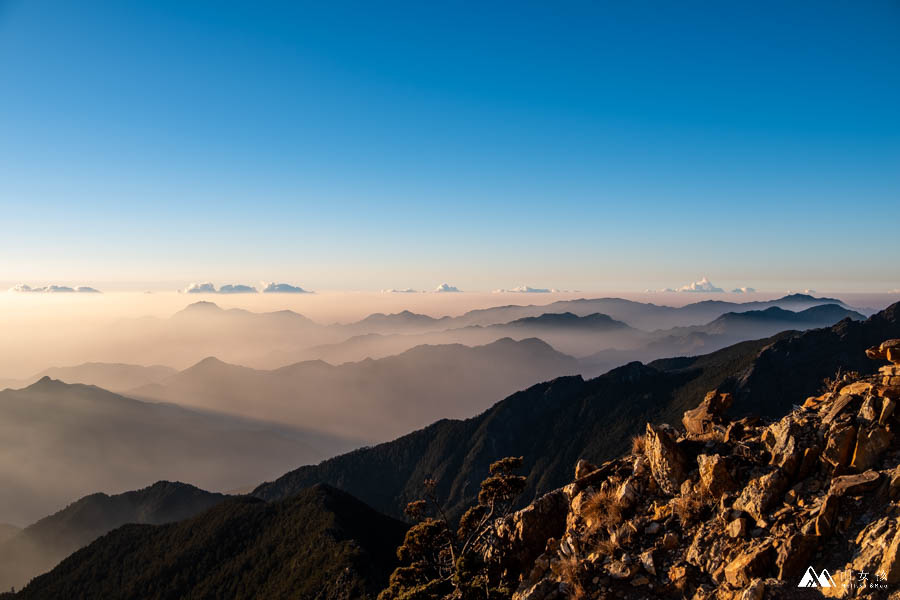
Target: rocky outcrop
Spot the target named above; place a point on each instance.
(730, 510)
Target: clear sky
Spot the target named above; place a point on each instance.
(591, 145)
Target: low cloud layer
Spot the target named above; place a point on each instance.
(52, 289)
(200, 288)
(702, 286)
(524, 289)
(400, 291)
(284, 288)
(237, 289)
(743, 290)
(446, 287)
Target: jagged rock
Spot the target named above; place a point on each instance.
(794, 554)
(842, 403)
(855, 485)
(701, 420)
(524, 533)
(827, 515)
(870, 443)
(583, 467)
(870, 409)
(857, 388)
(667, 461)
(878, 549)
(783, 445)
(737, 528)
(714, 476)
(748, 565)
(626, 494)
(839, 447)
(760, 493)
(708, 550)
(755, 591)
(894, 486)
(889, 391)
(648, 562)
(886, 350)
(887, 410)
(679, 574)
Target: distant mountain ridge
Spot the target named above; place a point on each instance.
(40, 546)
(60, 441)
(370, 400)
(553, 424)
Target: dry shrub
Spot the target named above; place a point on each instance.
(839, 380)
(602, 510)
(638, 443)
(688, 508)
(571, 571)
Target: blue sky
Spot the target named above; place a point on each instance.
(590, 145)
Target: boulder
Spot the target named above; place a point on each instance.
(839, 447)
(668, 464)
(878, 546)
(857, 388)
(870, 443)
(737, 528)
(749, 565)
(886, 350)
(782, 441)
(826, 518)
(710, 412)
(794, 555)
(854, 485)
(714, 476)
(523, 535)
(842, 403)
(583, 467)
(761, 493)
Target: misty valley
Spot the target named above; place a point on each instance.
(274, 403)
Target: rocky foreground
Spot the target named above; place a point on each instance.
(744, 509)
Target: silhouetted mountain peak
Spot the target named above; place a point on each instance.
(48, 384)
(203, 306)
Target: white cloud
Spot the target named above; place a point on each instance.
(283, 288)
(54, 289)
(237, 288)
(703, 286)
(400, 291)
(807, 291)
(524, 289)
(200, 288)
(743, 290)
(446, 287)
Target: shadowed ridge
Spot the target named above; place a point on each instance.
(321, 544)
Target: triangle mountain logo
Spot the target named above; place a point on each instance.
(810, 579)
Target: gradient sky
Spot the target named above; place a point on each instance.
(591, 145)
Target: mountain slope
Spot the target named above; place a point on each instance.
(553, 424)
(62, 441)
(38, 547)
(371, 400)
(321, 544)
(115, 377)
